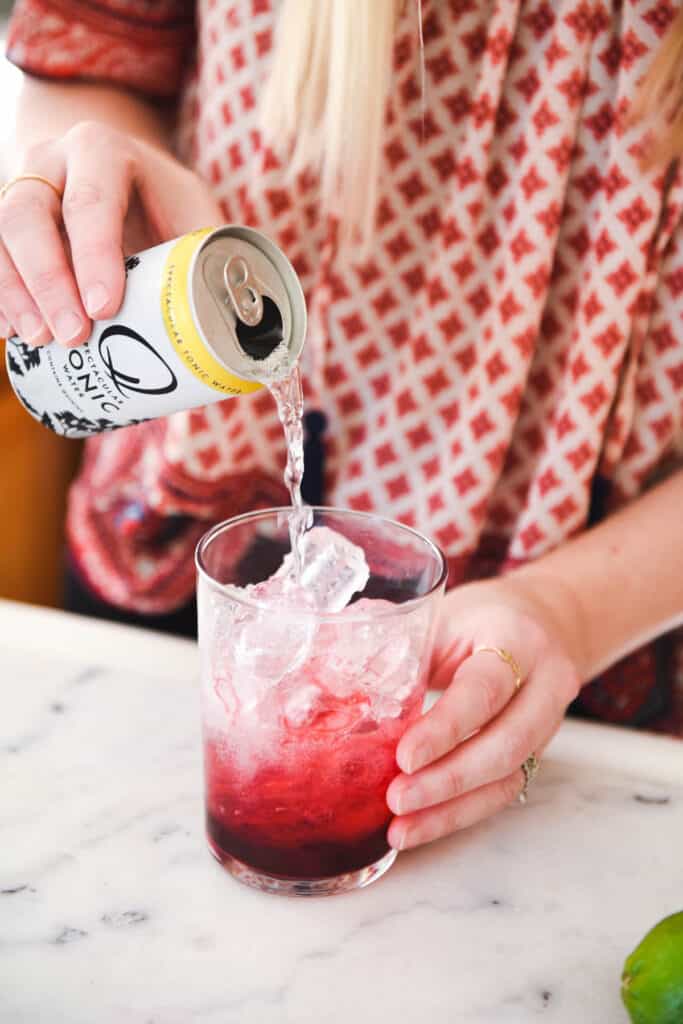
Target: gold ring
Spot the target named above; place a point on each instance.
(507, 658)
(530, 769)
(29, 177)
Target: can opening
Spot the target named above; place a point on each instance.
(263, 338)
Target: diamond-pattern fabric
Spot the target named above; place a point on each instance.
(513, 332)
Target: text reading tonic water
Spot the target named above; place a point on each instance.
(206, 317)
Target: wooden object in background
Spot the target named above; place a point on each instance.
(36, 467)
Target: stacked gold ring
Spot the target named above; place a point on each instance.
(530, 770)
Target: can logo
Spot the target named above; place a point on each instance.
(133, 364)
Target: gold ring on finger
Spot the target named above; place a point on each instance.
(505, 656)
(29, 177)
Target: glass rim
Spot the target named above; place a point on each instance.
(229, 590)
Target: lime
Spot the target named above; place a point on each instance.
(652, 981)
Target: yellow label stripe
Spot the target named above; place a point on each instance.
(180, 326)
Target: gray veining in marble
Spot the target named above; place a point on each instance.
(112, 911)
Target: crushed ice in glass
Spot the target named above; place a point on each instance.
(332, 675)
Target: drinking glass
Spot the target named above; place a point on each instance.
(301, 710)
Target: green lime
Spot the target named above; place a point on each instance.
(652, 981)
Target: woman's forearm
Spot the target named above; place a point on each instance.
(619, 584)
(47, 109)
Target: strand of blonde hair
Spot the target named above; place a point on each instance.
(325, 101)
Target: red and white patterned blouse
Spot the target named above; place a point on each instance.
(515, 335)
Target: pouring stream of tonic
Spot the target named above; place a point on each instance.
(289, 399)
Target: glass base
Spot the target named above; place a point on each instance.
(303, 886)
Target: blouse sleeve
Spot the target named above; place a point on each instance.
(136, 44)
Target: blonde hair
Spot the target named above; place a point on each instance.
(660, 98)
(327, 95)
(325, 101)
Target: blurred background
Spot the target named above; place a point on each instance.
(35, 465)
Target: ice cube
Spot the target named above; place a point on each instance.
(376, 653)
(315, 708)
(224, 691)
(333, 569)
(303, 704)
(262, 645)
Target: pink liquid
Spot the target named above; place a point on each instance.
(305, 802)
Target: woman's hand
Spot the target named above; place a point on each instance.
(461, 762)
(61, 262)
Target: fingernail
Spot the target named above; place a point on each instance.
(394, 843)
(67, 326)
(408, 801)
(413, 761)
(30, 327)
(402, 842)
(96, 298)
(395, 803)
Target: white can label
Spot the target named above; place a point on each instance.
(147, 362)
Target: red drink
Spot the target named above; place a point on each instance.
(305, 800)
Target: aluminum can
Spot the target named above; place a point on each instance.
(208, 316)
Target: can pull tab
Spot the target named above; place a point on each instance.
(243, 294)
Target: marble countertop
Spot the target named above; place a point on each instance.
(112, 910)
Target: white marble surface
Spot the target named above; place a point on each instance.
(111, 909)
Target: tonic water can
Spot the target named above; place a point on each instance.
(208, 316)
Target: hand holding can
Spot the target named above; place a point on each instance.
(205, 317)
(111, 193)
